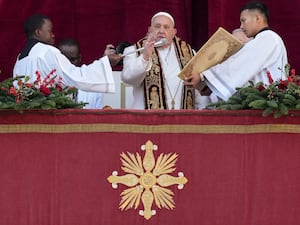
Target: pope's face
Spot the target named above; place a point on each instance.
(249, 23)
(163, 27)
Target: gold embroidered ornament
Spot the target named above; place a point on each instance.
(147, 179)
(156, 99)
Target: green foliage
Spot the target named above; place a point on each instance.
(277, 98)
(18, 94)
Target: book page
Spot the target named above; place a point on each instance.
(218, 48)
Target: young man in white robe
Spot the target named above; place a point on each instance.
(39, 55)
(266, 52)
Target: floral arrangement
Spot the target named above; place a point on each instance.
(19, 94)
(276, 98)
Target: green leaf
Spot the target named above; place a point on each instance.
(287, 68)
(236, 106)
(297, 106)
(290, 97)
(268, 111)
(277, 114)
(283, 109)
(258, 104)
(273, 104)
(46, 106)
(51, 103)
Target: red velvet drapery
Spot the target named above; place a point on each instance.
(97, 22)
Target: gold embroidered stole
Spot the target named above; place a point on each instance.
(154, 85)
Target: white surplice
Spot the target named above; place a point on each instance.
(95, 77)
(135, 70)
(266, 52)
(94, 99)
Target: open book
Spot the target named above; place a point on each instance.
(218, 48)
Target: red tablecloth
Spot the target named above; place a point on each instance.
(241, 168)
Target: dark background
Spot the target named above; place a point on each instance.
(96, 23)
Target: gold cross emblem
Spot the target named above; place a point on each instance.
(147, 180)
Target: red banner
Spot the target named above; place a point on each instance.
(201, 167)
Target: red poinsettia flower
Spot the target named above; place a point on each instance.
(283, 84)
(19, 94)
(38, 78)
(44, 90)
(49, 79)
(293, 71)
(290, 79)
(13, 91)
(3, 88)
(29, 85)
(20, 84)
(18, 99)
(58, 87)
(270, 77)
(261, 87)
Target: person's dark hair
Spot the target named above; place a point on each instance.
(121, 46)
(69, 42)
(120, 49)
(257, 5)
(34, 22)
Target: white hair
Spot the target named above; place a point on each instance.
(163, 14)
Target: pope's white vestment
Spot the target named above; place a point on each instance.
(135, 69)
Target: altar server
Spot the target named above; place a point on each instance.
(40, 55)
(266, 52)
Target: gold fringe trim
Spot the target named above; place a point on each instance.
(148, 129)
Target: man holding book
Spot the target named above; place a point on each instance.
(266, 52)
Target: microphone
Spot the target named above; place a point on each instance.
(159, 43)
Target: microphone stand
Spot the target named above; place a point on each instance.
(159, 43)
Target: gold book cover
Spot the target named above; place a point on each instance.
(218, 48)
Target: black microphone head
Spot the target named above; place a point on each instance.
(121, 46)
(120, 49)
